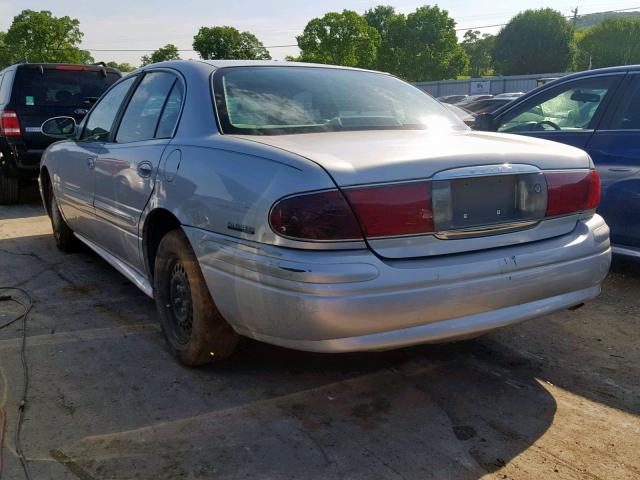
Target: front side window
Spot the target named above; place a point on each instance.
(142, 115)
(101, 119)
(285, 100)
(570, 107)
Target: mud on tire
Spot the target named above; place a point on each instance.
(192, 325)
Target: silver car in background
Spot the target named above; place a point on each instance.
(319, 208)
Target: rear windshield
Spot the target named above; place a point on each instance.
(285, 100)
(65, 88)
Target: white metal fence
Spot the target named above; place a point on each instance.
(494, 85)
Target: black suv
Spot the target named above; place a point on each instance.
(31, 93)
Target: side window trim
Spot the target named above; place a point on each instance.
(116, 119)
(632, 80)
(597, 118)
(121, 112)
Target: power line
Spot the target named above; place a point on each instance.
(574, 16)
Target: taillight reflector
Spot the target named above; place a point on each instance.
(9, 124)
(322, 216)
(393, 210)
(569, 192)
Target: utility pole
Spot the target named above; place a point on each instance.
(575, 16)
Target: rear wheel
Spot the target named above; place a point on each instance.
(66, 241)
(192, 325)
(9, 190)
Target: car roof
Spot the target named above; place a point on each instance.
(251, 63)
(598, 71)
(271, 63)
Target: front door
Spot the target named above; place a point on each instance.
(567, 113)
(615, 149)
(125, 171)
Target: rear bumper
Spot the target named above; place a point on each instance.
(352, 300)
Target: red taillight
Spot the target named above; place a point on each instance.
(315, 216)
(393, 210)
(569, 192)
(9, 125)
(73, 68)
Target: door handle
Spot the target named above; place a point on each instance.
(145, 169)
(91, 163)
(619, 169)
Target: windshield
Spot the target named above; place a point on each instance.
(285, 100)
(53, 87)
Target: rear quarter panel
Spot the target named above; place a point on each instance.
(226, 185)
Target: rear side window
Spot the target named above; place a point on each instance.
(171, 112)
(51, 87)
(627, 117)
(102, 117)
(5, 86)
(142, 116)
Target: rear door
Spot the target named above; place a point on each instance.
(127, 165)
(615, 149)
(567, 113)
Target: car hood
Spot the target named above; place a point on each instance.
(364, 157)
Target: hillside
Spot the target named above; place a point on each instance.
(591, 19)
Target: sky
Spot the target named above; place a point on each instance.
(140, 24)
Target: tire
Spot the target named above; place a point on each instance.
(9, 190)
(195, 330)
(66, 241)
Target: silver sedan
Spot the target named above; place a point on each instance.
(319, 208)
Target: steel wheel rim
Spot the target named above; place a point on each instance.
(180, 305)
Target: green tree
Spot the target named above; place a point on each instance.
(480, 50)
(380, 18)
(5, 53)
(41, 37)
(163, 54)
(534, 41)
(613, 42)
(228, 43)
(389, 25)
(339, 39)
(123, 67)
(422, 46)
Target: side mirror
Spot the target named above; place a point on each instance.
(485, 122)
(59, 127)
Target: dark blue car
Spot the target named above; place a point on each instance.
(598, 111)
